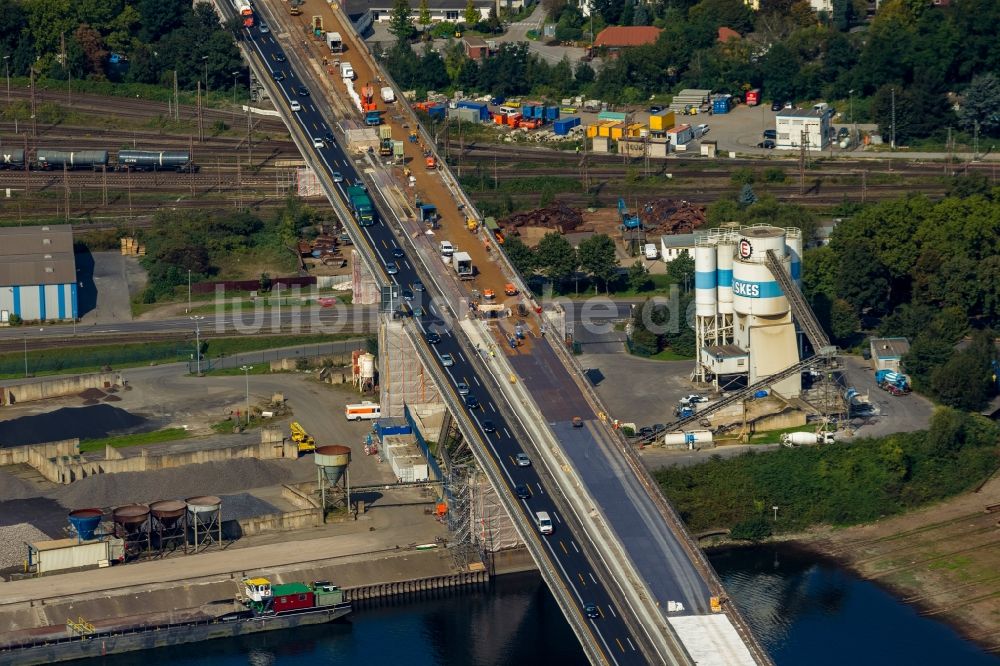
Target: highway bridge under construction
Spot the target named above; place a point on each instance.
(632, 583)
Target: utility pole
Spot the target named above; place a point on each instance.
(802, 162)
(65, 191)
(892, 91)
(177, 112)
(246, 371)
(104, 184)
(249, 138)
(191, 156)
(975, 141)
(27, 175)
(34, 120)
(201, 124)
(197, 341)
(864, 185)
(947, 164)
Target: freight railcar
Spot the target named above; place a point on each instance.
(12, 158)
(152, 160)
(48, 158)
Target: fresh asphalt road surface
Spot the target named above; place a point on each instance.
(575, 569)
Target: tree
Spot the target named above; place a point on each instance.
(638, 277)
(780, 68)
(424, 16)
(844, 321)
(584, 74)
(92, 43)
(556, 257)
(681, 269)
(964, 382)
(401, 21)
(862, 280)
(471, 14)
(520, 255)
(842, 14)
(982, 104)
(747, 196)
(597, 256)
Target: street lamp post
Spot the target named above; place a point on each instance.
(197, 341)
(246, 371)
(775, 509)
(854, 125)
(235, 75)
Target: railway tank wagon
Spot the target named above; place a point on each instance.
(12, 158)
(152, 160)
(49, 158)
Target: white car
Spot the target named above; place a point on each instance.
(692, 399)
(447, 360)
(295, 106)
(318, 143)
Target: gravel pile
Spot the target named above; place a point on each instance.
(245, 505)
(213, 478)
(12, 539)
(93, 422)
(47, 515)
(91, 394)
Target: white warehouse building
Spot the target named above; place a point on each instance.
(37, 273)
(815, 122)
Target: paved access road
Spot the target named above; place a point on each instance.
(576, 570)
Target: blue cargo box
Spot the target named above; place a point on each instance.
(551, 113)
(437, 112)
(562, 126)
(391, 426)
(481, 107)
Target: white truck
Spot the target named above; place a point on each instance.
(462, 262)
(649, 249)
(388, 96)
(346, 71)
(335, 42)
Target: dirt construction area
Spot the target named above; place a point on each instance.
(944, 559)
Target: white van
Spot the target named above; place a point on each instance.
(649, 249)
(447, 249)
(295, 106)
(346, 71)
(544, 522)
(366, 410)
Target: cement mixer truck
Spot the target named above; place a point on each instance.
(894, 382)
(806, 438)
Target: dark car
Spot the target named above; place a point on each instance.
(489, 426)
(645, 432)
(398, 252)
(591, 611)
(770, 134)
(522, 491)
(279, 56)
(776, 105)
(279, 76)
(303, 91)
(655, 109)
(659, 427)
(766, 143)
(407, 295)
(418, 286)
(329, 138)
(471, 401)
(433, 338)
(843, 133)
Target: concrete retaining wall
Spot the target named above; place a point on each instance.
(17, 455)
(53, 388)
(277, 522)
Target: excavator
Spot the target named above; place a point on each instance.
(305, 441)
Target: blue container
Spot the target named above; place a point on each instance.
(552, 113)
(481, 107)
(437, 112)
(85, 522)
(760, 394)
(385, 427)
(721, 104)
(560, 128)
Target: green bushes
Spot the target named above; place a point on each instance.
(841, 484)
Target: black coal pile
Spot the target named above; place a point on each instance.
(93, 422)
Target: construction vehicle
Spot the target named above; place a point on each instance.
(804, 438)
(462, 261)
(299, 435)
(385, 141)
(335, 42)
(361, 204)
(519, 332)
(430, 162)
(893, 382)
(510, 289)
(471, 224)
(317, 26)
(489, 295)
(628, 221)
(491, 224)
(368, 97)
(373, 118)
(294, 7)
(427, 214)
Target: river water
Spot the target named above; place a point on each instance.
(805, 611)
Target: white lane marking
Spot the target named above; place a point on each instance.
(460, 354)
(630, 643)
(406, 263)
(573, 543)
(476, 379)
(612, 609)
(493, 408)
(556, 516)
(592, 577)
(540, 488)
(507, 432)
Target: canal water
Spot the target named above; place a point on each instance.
(805, 610)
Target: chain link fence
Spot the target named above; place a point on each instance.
(339, 352)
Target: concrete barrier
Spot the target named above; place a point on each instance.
(279, 522)
(32, 390)
(17, 455)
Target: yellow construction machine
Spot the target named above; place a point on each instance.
(305, 441)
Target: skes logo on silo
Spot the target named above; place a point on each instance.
(747, 289)
(746, 249)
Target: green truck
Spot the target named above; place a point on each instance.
(361, 204)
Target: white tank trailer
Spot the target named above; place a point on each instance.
(806, 438)
(689, 440)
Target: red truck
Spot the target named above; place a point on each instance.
(753, 97)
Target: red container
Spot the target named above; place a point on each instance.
(293, 601)
(753, 97)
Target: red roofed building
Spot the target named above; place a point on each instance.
(621, 36)
(726, 34)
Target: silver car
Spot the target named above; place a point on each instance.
(447, 360)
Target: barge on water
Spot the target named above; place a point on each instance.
(260, 606)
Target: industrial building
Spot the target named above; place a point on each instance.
(440, 10)
(743, 321)
(672, 246)
(796, 127)
(37, 273)
(887, 353)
